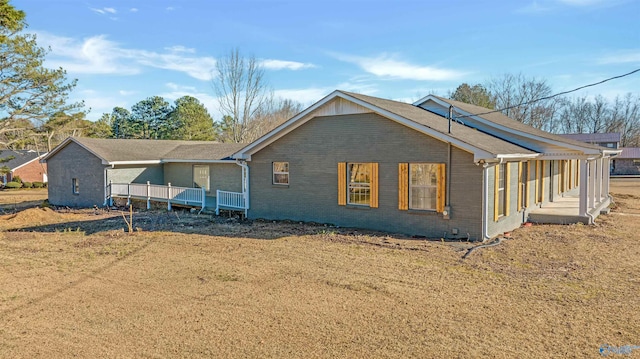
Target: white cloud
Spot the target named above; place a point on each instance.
(127, 93)
(133, 9)
(631, 56)
(271, 64)
(389, 66)
(104, 10)
(534, 8)
(583, 2)
(98, 55)
(180, 48)
(170, 8)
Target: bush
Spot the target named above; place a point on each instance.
(27, 184)
(38, 184)
(13, 184)
(16, 179)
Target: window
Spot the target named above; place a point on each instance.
(501, 194)
(423, 186)
(201, 176)
(281, 173)
(359, 175)
(358, 184)
(523, 184)
(75, 186)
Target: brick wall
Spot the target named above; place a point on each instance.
(33, 171)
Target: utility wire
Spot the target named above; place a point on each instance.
(552, 96)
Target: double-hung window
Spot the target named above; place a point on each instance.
(423, 186)
(75, 186)
(281, 173)
(501, 194)
(358, 184)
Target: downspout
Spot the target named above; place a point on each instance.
(105, 186)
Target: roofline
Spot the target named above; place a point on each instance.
(518, 156)
(39, 159)
(508, 129)
(141, 162)
(196, 161)
(295, 122)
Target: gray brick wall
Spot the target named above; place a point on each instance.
(626, 167)
(136, 174)
(313, 152)
(71, 162)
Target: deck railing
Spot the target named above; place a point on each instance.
(159, 193)
(232, 200)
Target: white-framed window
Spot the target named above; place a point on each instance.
(201, 176)
(281, 173)
(423, 186)
(75, 186)
(359, 185)
(501, 189)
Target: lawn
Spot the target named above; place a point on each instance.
(73, 283)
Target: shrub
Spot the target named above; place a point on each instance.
(16, 179)
(38, 184)
(13, 184)
(27, 184)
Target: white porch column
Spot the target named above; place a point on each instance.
(605, 174)
(584, 186)
(592, 184)
(599, 173)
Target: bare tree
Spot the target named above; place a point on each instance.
(514, 92)
(271, 115)
(242, 92)
(625, 119)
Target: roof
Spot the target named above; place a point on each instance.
(122, 151)
(629, 153)
(594, 137)
(484, 146)
(20, 157)
(503, 120)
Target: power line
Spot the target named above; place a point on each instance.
(552, 96)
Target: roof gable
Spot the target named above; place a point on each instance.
(17, 158)
(483, 146)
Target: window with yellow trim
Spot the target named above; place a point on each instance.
(359, 185)
(501, 189)
(423, 186)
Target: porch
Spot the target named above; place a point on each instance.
(172, 195)
(566, 210)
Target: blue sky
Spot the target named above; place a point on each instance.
(124, 51)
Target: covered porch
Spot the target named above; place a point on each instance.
(591, 200)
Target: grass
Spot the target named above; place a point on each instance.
(75, 284)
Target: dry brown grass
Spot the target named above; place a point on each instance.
(82, 287)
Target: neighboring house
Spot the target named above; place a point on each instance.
(82, 168)
(608, 140)
(628, 162)
(24, 164)
(359, 161)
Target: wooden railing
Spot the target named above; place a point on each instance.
(159, 193)
(232, 200)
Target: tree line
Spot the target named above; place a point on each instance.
(516, 95)
(35, 111)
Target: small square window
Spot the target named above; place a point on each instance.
(281, 173)
(75, 186)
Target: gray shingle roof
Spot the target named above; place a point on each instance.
(593, 137)
(503, 120)
(115, 150)
(20, 157)
(438, 123)
(629, 153)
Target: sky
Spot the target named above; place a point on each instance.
(122, 52)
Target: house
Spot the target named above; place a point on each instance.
(628, 162)
(436, 168)
(361, 161)
(608, 140)
(81, 169)
(24, 164)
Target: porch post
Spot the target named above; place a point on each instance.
(605, 175)
(110, 193)
(169, 196)
(599, 173)
(592, 183)
(148, 195)
(584, 186)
